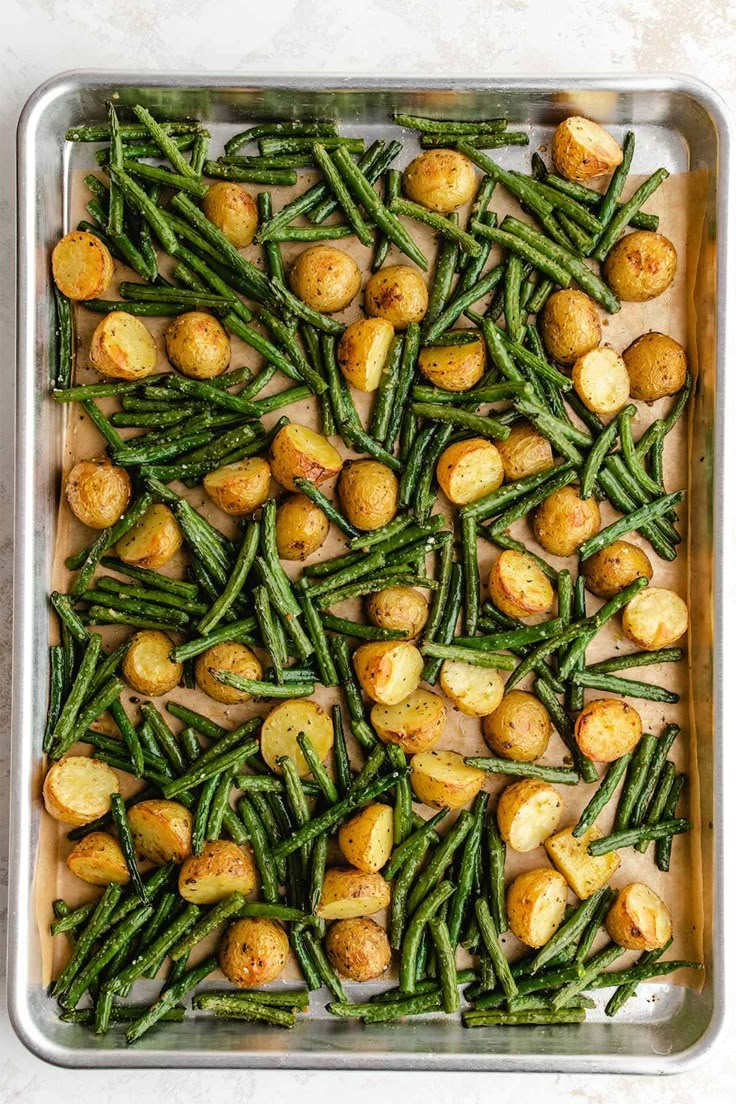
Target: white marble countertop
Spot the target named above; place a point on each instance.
(438, 38)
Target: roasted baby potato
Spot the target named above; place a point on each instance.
(535, 905)
(524, 452)
(415, 724)
(564, 520)
(77, 790)
(301, 527)
(640, 266)
(657, 366)
(228, 656)
(443, 779)
(468, 470)
(398, 294)
(366, 840)
(518, 586)
(655, 618)
(570, 325)
(369, 493)
(82, 266)
(441, 179)
(528, 812)
(519, 728)
(298, 452)
(325, 278)
(98, 859)
(613, 568)
(98, 492)
(162, 830)
(358, 948)
(232, 210)
(349, 893)
(607, 728)
(241, 487)
(400, 607)
(154, 539)
(388, 670)
(221, 869)
(362, 352)
(475, 691)
(639, 920)
(601, 380)
(253, 952)
(148, 667)
(198, 345)
(582, 150)
(584, 873)
(282, 726)
(453, 367)
(122, 347)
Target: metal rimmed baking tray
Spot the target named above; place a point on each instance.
(682, 124)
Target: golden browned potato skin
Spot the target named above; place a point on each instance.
(162, 830)
(657, 366)
(222, 868)
(475, 691)
(468, 470)
(414, 724)
(232, 210)
(228, 656)
(241, 487)
(564, 520)
(253, 952)
(298, 452)
(148, 667)
(325, 278)
(282, 726)
(369, 493)
(154, 539)
(77, 789)
(301, 527)
(535, 905)
(640, 266)
(367, 838)
(198, 345)
(98, 860)
(607, 728)
(607, 572)
(388, 670)
(401, 608)
(122, 347)
(82, 266)
(362, 352)
(349, 893)
(453, 367)
(601, 381)
(441, 179)
(358, 948)
(98, 492)
(655, 618)
(639, 920)
(398, 294)
(584, 873)
(570, 325)
(444, 780)
(518, 586)
(528, 812)
(519, 728)
(524, 452)
(582, 150)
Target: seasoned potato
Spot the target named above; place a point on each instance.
(655, 618)
(528, 812)
(221, 869)
(154, 539)
(198, 345)
(475, 691)
(613, 568)
(601, 380)
(148, 667)
(453, 367)
(518, 586)
(415, 724)
(241, 487)
(98, 859)
(358, 948)
(301, 527)
(362, 352)
(564, 520)
(282, 726)
(639, 920)
(584, 873)
(467, 470)
(82, 266)
(253, 952)
(524, 452)
(367, 838)
(233, 210)
(441, 179)
(519, 728)
(640, 266)
(348, 893)
(325, 278)
(369, 493)
(77, 790)
(398, 294)
(398, 607)
(122, 347)
(228, 656)
(570, 325)
(162, 830)
(388, 670)
(535, 905)
(98, 492)
(298, 452)
(582, 150)
(443, 779)
(607, 728)
(657, 366)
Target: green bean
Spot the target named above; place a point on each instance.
(389, 1011)
(170, 996)
(448, 613)
(621, 219)
(96, 924)
(492, 944)
(603, 795)
(629, 687)
(373, 163)
(636, 659)
(628, 837)
(444, 272)
(530, 1017)
(446, 227)
(67, 719)
(511, 493)
(665, 782)
(230, 1007)
(311, 129)
(596, 456)
(483, 424)
(263, 853)
(628, 990)
(230, 906)
(125, 837)
(415, 842)
(162, 137)
(341, 193)
(669, 808)
(478, 657)
(462, 301)
(387, 388)
(410, 947)
(569, 932)
(325, 970)
(56, 693)
(391, 191)
(594, 967)
(441, 860)
(243, 564)
(467, 870)
(65, 339)
(220, 802)
(446, 127)
(445, 952)
(164, 737)
(328, 508)
(562, 775)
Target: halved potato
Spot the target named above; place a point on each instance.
(400, 608)
(570, 325)
(441, 179)
(518, 586)
(301, 527)
(607, 572)
(122, 347)
(221, 869)
(232, 210)
(98, 859)
(453, 367)
(528, 812)
(468, 470)
(607, 728)
(348, 893)
(228, 656)
(148, 667)
(82, 265)
(358, 949)
(655, 618)
(582, 150)
(476, 691)
(98, 492)
(198, 345)
(639, 920)
(253, 952)
(282, 726)
(524, 452)
(369, 493)
(601, 380)
(443, 779)
(415, 724)
(535, 905)
(585, 874)
(362, 352)
(657, 366)
(162, 830)
(640, 266)
(388, 670)
(154, 539)
(77, 789)
(519, 728)
(367, 838)
(325, 278)
(241, 487)
(564, 520)
(298, 452)
(397, 293)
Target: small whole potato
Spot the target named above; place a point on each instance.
(154, 539)
(520, 728)
(518, 585)
(366, 840)
(240, 487)
(639, 920)
(98, 859)
(82, 265)
(414, 724)
(369, 494)
(607, 728)
(524, 452)
(657, 366)
(400, 608)
(444, 780)
(98, 492)
(253, 951)
(148, 667)
(564, 520)
(468, 470)
(453, 367)
(584, 873)
(362, 352)
(228, 656)
(301, 527)
(348, 893)
(77, 789)
(122, 347)
(640, 266)
(607, 572)
(198, 345)
(441, 179)
(325, 278)
(655, 618)
(535, 905)
(398, 294)
(528, 812)
(283, 724)
(601, 380)
(358, 948)
(475, 691)
(232, 210)
(298, 452)
(570, 325)
(222, 868)
(388, 670)
(162, 830)
(582, 150)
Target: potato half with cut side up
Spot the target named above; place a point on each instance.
(518, 586)
(441, 179)
(282, 726)
(301, 527)
(444, 780)
(640, 266)
(564, 520)
(98, 492)
(367, 838)
(349, 893)
(607, 572)
(122, 347)
(298, 452)
(98, 859)
(655, 618)
(325, 278)
(398, 294)
(232, 210)
(585, 873)
(528, 812)
(607, 728)
(468, 470)
(358, 949)
(414, 724)
(369, 493)
(253, 951)
(475, 691)
(601, 380)
(77, 789)
(154, 539)
(198, 345)
(388, 670)
(657, 366)
(148, 667)
(524, 452)
(453, 367)
(82, 266)
(401, 608)
(221, 869)
(535, 905)
(582, 150)
(362, 352)
(241, 487)
(520, 727)
(228, 656)
(162, 831)
(639, 920)
(570, 325)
